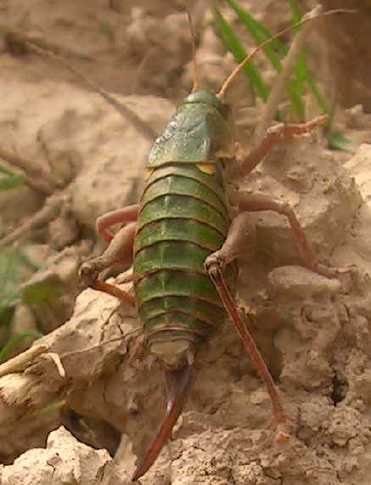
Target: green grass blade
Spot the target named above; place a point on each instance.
(274, 51)
(295, 10)
(15, 342)
(10, 278)
(233, 44)
(11, 182)
(13, 264)
(337, 141)
(52, 408)
(106, 29)
(42, 291)
(313, 87)
(6, 316)
(302, 71)
(5, 171)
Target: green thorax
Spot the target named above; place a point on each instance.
(199, 131)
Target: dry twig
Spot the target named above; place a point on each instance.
(19, 42)
(36, 176)
(124, 111)
(46, 214)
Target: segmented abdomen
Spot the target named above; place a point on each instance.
(183, 218)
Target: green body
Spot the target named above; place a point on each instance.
(183, 218)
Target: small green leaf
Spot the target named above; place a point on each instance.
(6, 315)
(11, 263)
(322, 103)
(337, 141)
(52, 408)
(295, 10)
(11, 182)
(42, 291)
(15, 342)
(106, 28)
(5, 171)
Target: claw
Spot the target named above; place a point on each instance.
(215, 263)
(178, 383)
(88, 273)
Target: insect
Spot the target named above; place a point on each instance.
(183, 239)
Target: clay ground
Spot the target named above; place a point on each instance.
(76, 408)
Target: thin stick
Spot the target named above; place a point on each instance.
(124, 111)
(41, 218)
(21, 361)
(16, 39)
(196, 78)
(35, 175)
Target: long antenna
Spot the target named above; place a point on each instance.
(196, 77)
(308, 17)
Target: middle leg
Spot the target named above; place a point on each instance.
(119, 250)
(258, 202)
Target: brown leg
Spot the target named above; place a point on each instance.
(120, 216)
(120, 250)
(257, 202)
(215, 264)
(275, 135)
(235, 244)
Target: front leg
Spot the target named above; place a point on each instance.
(275, 135)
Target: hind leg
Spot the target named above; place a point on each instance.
(236, 241)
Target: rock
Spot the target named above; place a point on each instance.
(358, 167)
(322, 194)
(296, 281)
(64, 460)
(358, 245)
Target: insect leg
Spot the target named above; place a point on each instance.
(120, 250)
(120, 216)
(274, 135)
(215, 265)
(258, 202)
